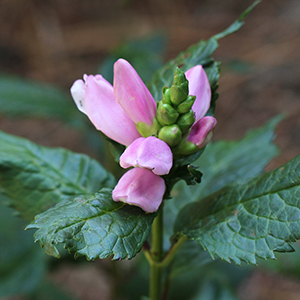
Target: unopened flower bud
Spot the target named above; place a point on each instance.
(199, 136)
(166, 114)
(180, 88)
(170, 134)
(166, 96)
(201, 132)
(185, 121)
(186, 105)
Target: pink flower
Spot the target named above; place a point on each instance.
(116, 110)
(151, 153)
(201, 131)
(125, 112)
(140, 187)
(199, 86)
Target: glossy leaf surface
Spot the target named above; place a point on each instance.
(93, 226)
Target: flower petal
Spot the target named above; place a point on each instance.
(132, 93)
(140, 187)
(78, 90)
(151, 153)
(199, 86)
(200, 134)
(100, 105)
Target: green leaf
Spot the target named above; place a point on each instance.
(203, 281)
(93, 226)
(20, 97)
(145, 55)
(36, 178)
(22, 264)
(223, 163)
(198, 54)
(247, 220)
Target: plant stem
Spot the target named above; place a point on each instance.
(172, 252)
(156, 256)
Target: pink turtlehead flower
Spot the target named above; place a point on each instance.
(140, 187)
(150, 153)
(201, 131)
(115, 110)
(199, 86)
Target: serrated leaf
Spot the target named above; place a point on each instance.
(20, 97)
(198, 54)
(36, 178)
(247, 220)
(223, 163)
(93, 226)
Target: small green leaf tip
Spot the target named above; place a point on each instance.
(147, 130)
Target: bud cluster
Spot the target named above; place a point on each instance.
(174, 111)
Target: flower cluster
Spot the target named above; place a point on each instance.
(152, 132)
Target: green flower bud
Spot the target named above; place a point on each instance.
(186, 121)
(170, 134)
(180, 88)
(186, 105)
(166, 114)
(166, 96)
(185, 148)
(179, 77)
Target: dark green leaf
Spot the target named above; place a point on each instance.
(199, 54)
(223, 163)
(247, 220)
(145, 55)
(22, 264)
(36, 178)
(93, 226)
(20, 97)
(203, 281)
(238, 23)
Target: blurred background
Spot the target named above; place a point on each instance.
(54, 42)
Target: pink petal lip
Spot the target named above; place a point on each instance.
(199, 86)
(151, 153)
(132, 94)
(140, 187)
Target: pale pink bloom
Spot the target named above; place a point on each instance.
(95, 97)
(150, 153)
(199, 86)
(201, 131)
(132, 94)
(140, 187)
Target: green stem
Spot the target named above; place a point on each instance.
(156, 256)
(172, 252)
